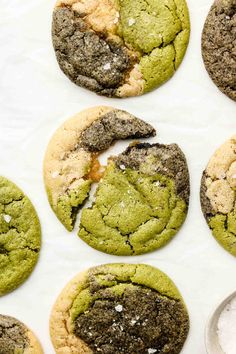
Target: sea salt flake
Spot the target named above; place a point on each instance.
(131, 21)
(227, 328)
(227, 17)
(152, 351)
(7, 218)
(107, 66)
(55, 174)
(122, 167)
(132, 322)
(122, 204)
(157, 183)
(119, 308)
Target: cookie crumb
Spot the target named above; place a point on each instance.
(119, 308)
(7, 218)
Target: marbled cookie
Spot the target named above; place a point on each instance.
(141, 201)
(219, 45)
(16, 338)
(218, 198)
(71, 164)
(119, 308)
(120, 48)
(20, 236)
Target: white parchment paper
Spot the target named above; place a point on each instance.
(36, 97)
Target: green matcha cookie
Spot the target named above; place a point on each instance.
(119, 308)
(20, 236)
(16, 338)
(71, 164)
(218, 195)
(120, 48)
(141, 201)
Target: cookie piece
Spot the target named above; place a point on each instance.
(219, 46)
(20, 236)
(141, 201)
(71, 164)
(218, 195)
(16, 338)
(119, 308)
(120, 48)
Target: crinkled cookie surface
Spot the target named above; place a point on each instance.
(20, 236)
(120, 48)
(119, 308)
(16, 338)
(219, 46)
(141, 201)
(218, 195)
(71, 164)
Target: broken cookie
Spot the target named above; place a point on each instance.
(120, 48)
(71, 164)
(141, 201)
(119, 308)
(20, 236)
(218, 188)
(16, 338)
(219, 45)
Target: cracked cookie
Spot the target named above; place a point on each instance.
(119, 308)
(141, 201)
(120, 48)
(20, 236)
(219, 46)
(16, 338)
(71, 163)
(218, 198)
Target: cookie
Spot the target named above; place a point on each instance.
(71, 163)
(20, 236)
(218, 195)
(219, 46)
(119, 308)
(141, 201)
(120, 48)
(16, 338)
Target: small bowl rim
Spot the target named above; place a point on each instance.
(213, 346)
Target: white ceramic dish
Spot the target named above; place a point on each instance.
(211, 336)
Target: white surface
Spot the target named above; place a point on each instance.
(36, 98)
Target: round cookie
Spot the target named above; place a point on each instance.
(219, 46)
(16, 338)
(20, 236)
(120, 48)
(71, 164)
(141, 201)
(123, 308)
(218, 198)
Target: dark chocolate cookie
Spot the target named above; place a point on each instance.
(219, 45)
(119, 308)
(120, 48)
(16, 338)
